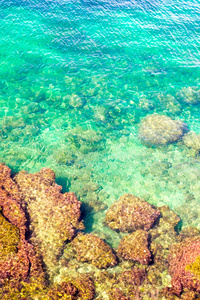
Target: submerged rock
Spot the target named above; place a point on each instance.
(54, 216)
(90, 248)
(160, 130)
(85, 140)
(134, 246)
(76, 101)
(135, 276)
(192, 140)
(184, 265)
(189, 95)
(130, 213)
(79, 288)
(18, 260)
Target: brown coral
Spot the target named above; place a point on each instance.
(184, 265)
(54, 216)
(134, 246)
(130, 213)
(90, 248)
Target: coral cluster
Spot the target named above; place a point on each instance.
(160, 130)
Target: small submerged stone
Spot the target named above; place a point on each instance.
(158, 130)
(130, 213)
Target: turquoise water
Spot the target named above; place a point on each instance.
(77, 78)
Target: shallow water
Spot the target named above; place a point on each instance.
(76, 79)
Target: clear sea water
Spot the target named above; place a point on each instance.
(76, 79)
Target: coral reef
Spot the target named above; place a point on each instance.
(184, 265)
(90, 248)
(130, 213)
(134, 246)
(160, 130)
(54, 216)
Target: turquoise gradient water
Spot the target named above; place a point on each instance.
(77, 77)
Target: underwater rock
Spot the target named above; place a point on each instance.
(18, 260)
(134, 246)
(130, 213)
(188, 232)
(85, 140)
(184, 262)
(160, 130)
(64, 156)
(169, 104)
(135, 276)
(76, 101)
(79, 288)
(189, 95)
(164, 232)
(192, 140)
(90, 248)
(54, 217)
(62, 291)
(117, 294)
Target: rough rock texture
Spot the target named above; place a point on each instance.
(184, 265)
(160, 130)
(134, 246)
(54, 217)
(189, 95)
(192, 140)
(164, 232)
(79, 288)
(117, 294)
(135, 276)
(90, 248)
(18, 260)
(130, 213)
